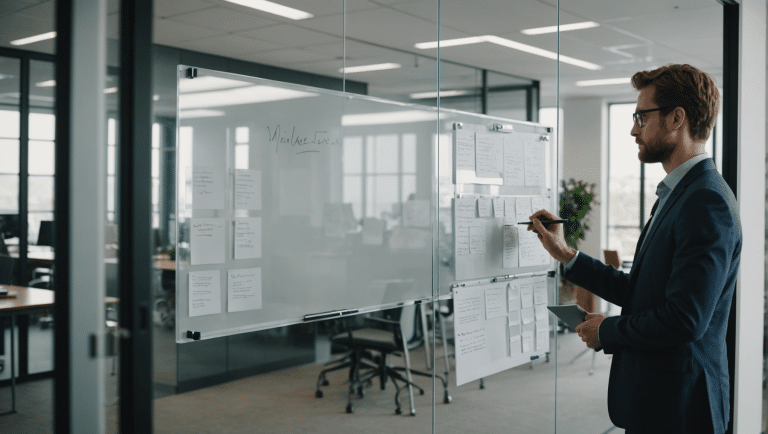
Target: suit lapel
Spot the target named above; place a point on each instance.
(692, 174)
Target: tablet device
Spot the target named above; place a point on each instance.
(571, 314)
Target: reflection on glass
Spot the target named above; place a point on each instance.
(41, 193)
(9, 163)
(9, 194)
(9, 124)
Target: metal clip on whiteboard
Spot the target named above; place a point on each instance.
(503, 128)
(191, 72)
(457, 125)
(193, 335)
(503, 278)
(544, 138)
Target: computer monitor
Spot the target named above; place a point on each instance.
(9, 225)
(46, 236)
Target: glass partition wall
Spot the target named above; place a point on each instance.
(500, 60)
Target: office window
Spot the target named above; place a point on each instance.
(626, 174)
(41, 147)
(379, 174)
(9, 163)
(242, 147)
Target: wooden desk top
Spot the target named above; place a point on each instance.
(39, 258)
(32, 298)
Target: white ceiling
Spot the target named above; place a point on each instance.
(633, 35)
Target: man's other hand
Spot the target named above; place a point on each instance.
(588, 330)
(551, 236)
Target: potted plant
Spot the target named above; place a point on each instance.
(576, 200)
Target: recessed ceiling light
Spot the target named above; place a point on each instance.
(33, 39)
(443, 94)
(603, 82)
(273, 8)
(155, 97)
(369, 68)
(513, 45)
(563, 28)
(46, 83)
(110, 90)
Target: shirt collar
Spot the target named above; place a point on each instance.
(673, 178)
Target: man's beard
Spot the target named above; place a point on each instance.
(656, 151)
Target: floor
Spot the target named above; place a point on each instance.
(519, 400)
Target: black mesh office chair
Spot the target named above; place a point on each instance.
(42, 277)
(387, 336)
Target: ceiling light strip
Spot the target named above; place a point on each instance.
(563, 28)
(274, 8)
(33, 39)
(604, 81)
(513, 45)
(369, 68)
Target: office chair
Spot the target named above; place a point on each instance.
(42, 277)
(391, 337)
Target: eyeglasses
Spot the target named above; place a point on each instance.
(638, 117)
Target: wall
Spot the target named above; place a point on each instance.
(584, 157)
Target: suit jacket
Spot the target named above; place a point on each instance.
(670, 371)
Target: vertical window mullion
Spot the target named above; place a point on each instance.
(23, 168)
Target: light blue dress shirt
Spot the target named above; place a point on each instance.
(664, 188)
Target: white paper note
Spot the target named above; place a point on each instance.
(539, 203)
(468, 309)
(542, 335)
(527, 342)
(498, 207)
(531, 251)
(489, 155)
(534, 161)
(523, 208)
(509, 254)
(464, 142)
(514, 160)
(528, 315)
(541, 312)
(513, 293)
(526, 293)
(484, 206)
(244, 289)
(515, 330)
(207, 187)
(477, 241)
(509, 207)
(515, 345)
(465, 208)
(204, 292)
(495, 301)
(248, 189)
(247, 237)
(540, 290)
(373, 231)
(514, 317)
(207, 241)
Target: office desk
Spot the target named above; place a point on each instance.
(27, 301)
(38, 258)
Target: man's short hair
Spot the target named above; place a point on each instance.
(687, 87)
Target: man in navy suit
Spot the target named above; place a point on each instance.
(669, 372)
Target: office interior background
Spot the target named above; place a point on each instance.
(114, 162)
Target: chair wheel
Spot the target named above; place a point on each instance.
(318, 393)
(325, 382)
(421, 392)
(361, 392)
(447, 399)
(413, 412)
(398, 411)
(350, 408)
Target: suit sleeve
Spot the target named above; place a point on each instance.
(705, 239)
(598, 278)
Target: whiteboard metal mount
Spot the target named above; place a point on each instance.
(502, 128)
